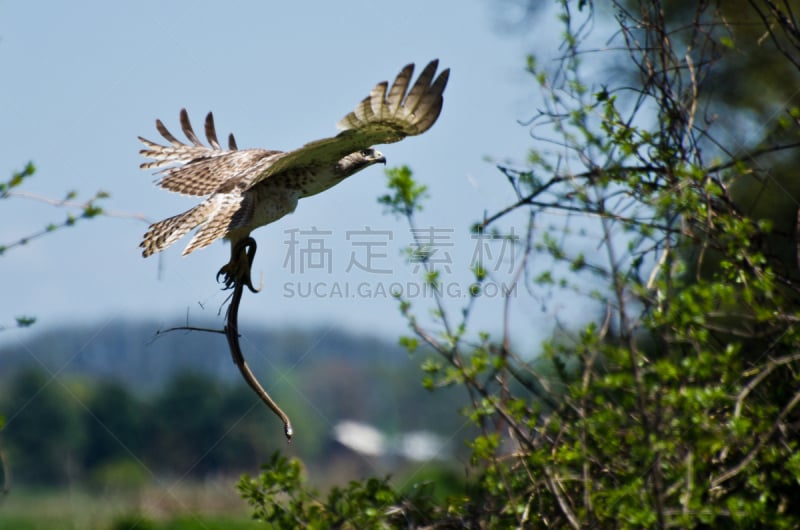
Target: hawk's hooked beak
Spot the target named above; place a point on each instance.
(379, 158)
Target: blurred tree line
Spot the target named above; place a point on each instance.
(110, 436)
(120, 412)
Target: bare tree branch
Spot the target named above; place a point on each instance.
(762, 440)
(232, 334)
(80, 205)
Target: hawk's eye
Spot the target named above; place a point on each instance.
(366, 152)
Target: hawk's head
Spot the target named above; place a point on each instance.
(359, 160)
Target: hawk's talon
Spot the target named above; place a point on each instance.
(238, 268)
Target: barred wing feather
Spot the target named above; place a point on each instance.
(380, 118)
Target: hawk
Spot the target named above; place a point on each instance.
(248, 188)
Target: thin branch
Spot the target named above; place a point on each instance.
(87, 208)
(68, 203)
(232, 334)
(771, 365)
(789, 27)
(190, 328)
(563, 502)
(529, 200)
(762, 440)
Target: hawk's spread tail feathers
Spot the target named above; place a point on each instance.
(216, 215)
(164, 233)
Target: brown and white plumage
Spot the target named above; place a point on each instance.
(248, 188)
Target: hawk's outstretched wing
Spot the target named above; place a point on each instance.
(380, 118)
(196, 169)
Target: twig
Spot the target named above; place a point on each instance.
(190, 328)
(88, 208)
(771, 365)
(232, 334)
(563, 502)
(762, 440)
(68, 203)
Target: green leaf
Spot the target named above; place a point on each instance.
(25, 321)
(409, 343)
(407, 194)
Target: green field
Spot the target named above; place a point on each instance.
(208, 506)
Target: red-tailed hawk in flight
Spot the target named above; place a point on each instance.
(248, 188)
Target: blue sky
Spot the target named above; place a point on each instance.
(83, 79)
